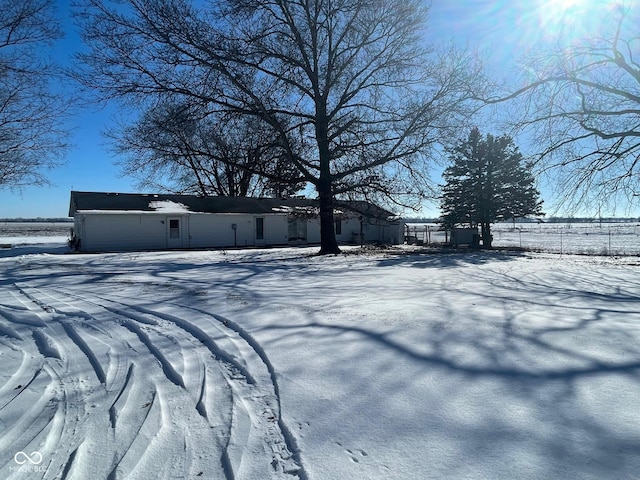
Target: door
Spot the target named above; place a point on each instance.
(174, 232)
(297, 230)
(260, 231)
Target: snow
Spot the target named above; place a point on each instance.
(575, 238)
(257, 364)
(167, 206)
(34, 233)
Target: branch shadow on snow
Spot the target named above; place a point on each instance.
(446, 258)
(538, 373)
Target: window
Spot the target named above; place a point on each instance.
(338, 226)
(174, 228)
(259, 228)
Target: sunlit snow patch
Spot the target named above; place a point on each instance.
(168, 206)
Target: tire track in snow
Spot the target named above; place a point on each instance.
(41, 412)
(283, 443)
(46, 345)
(66, 313)
(148, 427)
(20, 388)
(134, 314)
(144, 437)
(8, 331)
(243, 417)
(88, 351)
(57, 343)
(244, 422)
(123, 393)
(289, 439)
(69, 464)
(169, 371)
(31, 412)
(236, 372)
(63, 316)
(45, 421)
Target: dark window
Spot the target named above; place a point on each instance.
(174, 228)
(338, 226)
(260, 228)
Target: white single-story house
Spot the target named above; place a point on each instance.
(106, 222)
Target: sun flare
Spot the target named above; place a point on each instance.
(570, 18)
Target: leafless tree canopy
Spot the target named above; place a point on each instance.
(31, 138)
(180, 149)
(583, 104)
(348, 89)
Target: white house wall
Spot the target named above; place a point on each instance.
(389, 233)
(150, 231)
(383, 232)
(350, 230)
(121, 231)
(276, 229)
(216, 230)
(313, 230)
(104, 232)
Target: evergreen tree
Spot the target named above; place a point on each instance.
(488, 180)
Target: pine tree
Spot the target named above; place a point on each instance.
(487, 181)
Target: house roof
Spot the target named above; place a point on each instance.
(169, 203)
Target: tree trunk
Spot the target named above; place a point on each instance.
(328, 242)
(486, 234)
(324, 186)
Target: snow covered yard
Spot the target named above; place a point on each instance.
(261, 364)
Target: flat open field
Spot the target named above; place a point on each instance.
(29, 233)
(576, 238)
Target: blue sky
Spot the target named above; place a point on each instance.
(505, 28)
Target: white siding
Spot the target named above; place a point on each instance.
(105, 232)
(215, 230)
(313, 230)
(276, 229)
(350, 230)
(210, 230)
(149, 231)
(373, 232)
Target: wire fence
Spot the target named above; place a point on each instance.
(574, 238)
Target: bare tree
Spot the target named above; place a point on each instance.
(347, 86)
(31, 138)
(179, 148)
(582, 104)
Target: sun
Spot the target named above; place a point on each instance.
(563, 10)
(569, 18)
(568, 4)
